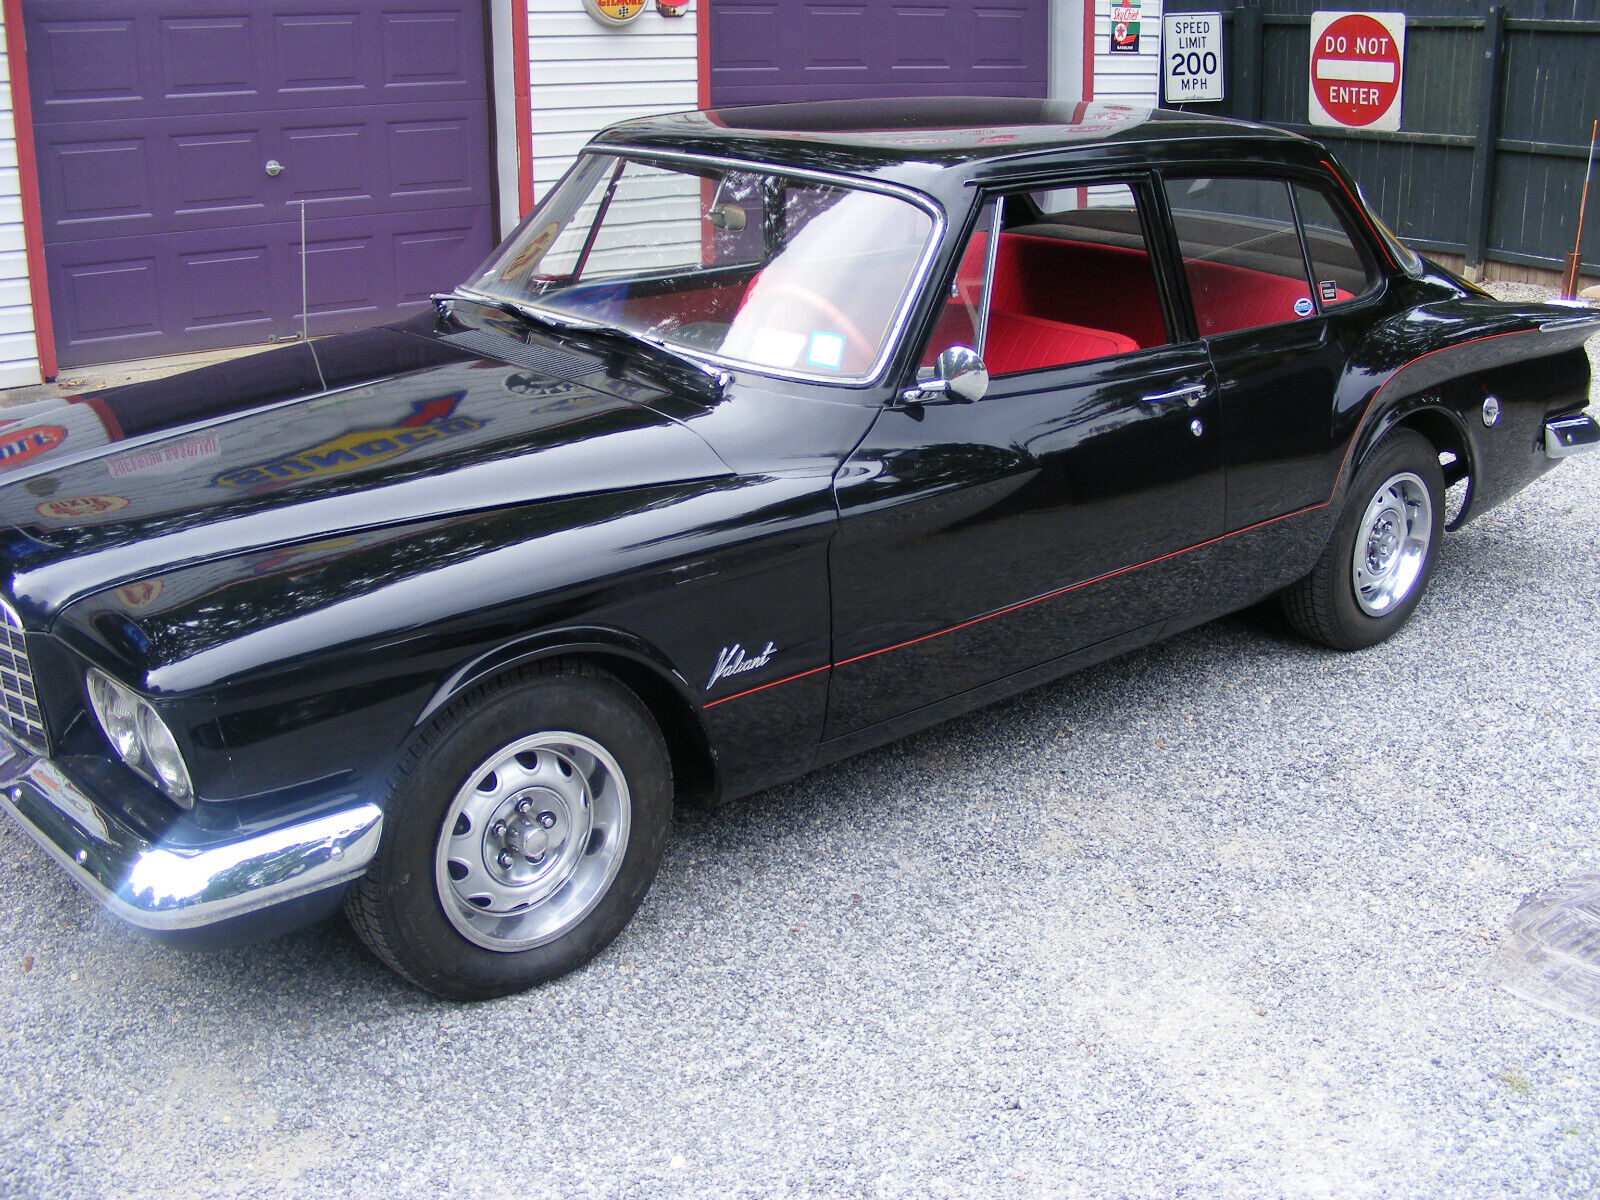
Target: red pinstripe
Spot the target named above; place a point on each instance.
(1021, 604)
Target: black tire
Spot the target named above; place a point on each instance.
(532, 745)
(1400, 478)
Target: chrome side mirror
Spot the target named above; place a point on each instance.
(959, 377)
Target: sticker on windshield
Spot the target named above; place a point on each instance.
(776, 348)
(827, 350)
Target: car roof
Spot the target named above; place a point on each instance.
(870, 135)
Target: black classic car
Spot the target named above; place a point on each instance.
(773, 434)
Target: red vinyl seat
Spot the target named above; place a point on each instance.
(1228, 298)
(1080, 283)
(1021, 343)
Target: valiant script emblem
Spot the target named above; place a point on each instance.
(733, 661)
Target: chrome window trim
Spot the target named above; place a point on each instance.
(991, 255)
(896, 328)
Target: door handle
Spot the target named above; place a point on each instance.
(274, 167)
(1190, 393)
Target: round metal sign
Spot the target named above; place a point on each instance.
(1355, 71)
(614, 12)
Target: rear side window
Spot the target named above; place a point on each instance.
(1339, 267)
(1241, 252)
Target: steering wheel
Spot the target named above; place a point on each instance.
(769, 292)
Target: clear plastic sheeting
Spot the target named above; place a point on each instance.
(1552, 957)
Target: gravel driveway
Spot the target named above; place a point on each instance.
(1215, 920)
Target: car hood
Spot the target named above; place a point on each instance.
(367, 431)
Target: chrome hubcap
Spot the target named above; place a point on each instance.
(532, 841)
(1392, 544)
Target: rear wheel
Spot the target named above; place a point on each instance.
(525, 826)
(1374, 571)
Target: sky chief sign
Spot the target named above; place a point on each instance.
(1357, 60)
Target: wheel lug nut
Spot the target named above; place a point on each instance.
(505, 859)
(536, 859)
(547, 819)
(498, 829)
(524, 806)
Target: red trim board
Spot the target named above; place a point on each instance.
(44, 334)
(1088, 49)
(702, 54)
(522, 102)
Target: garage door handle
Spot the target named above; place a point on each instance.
(274, 167)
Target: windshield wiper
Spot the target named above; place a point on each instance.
(584, 328)
(512, 308)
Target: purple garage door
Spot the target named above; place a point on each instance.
(160, 128)
(764, 51)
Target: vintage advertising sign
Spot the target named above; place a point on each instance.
(1125, 26)
(429, 421)
(614, 12)
(1191, 57)
(17, 446)
(1357, 60)
(76, 508)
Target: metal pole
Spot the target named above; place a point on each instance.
(1569, 281)
(305, 303)
(305, 307)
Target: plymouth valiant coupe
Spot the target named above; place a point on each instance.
(771, 435)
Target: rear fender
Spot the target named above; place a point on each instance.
(1434, 366)
(1440, 420)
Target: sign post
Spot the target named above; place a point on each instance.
(1357, 61)
(1191, 57)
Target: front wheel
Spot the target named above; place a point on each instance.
(1374, 571)
(525, 825)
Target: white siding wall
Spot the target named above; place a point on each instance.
(584, 75)
(1128, 78)
(19, 355)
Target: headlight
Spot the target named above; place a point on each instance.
(117, 710)
(140, 737)
(165, 759)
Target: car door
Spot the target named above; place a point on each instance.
(979, 540)
(1280, 292)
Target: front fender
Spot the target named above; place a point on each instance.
(323, 657)
(576, 641)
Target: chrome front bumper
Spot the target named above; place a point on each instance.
(1570, 435)
(188, 879)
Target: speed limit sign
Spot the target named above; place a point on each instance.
(1191, 56)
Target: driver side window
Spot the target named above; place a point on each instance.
(1052, 277)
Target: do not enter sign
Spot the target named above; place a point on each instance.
(1357, 60)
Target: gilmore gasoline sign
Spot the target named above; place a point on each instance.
(1191, 57)
(1357, 60)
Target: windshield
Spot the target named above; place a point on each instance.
(735, 264)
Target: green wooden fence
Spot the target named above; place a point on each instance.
(1496, 109)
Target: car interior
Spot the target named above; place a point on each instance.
(1077, 284)
(1073, 280)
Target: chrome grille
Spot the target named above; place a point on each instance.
(19, 703)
